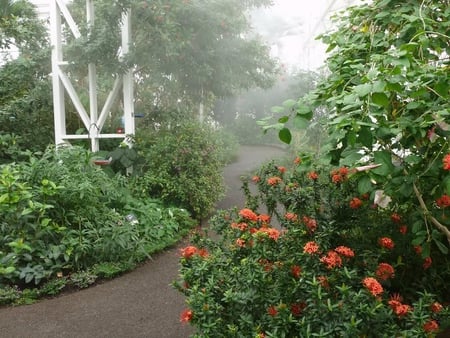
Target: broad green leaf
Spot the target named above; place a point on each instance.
(364, 185)
(277, 109)
(384, 158)
(365, 137)
(305, 111)
(380, 99)
(283, 119)
(442, 248)
(300, 122)
(363, 89)
(285, 135)
(289, 103)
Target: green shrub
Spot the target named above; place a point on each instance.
(183, 166)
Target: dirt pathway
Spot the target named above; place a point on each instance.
(138, 304)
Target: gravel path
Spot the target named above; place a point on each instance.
(138, 304)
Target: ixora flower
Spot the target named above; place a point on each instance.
(373, 286)
(384, 271)
(345, 251)
(446, 162)
(313, 176)
(431, 326)
(310, 223)
(399, 309)
(186, 316)
(274, 180)
(296, 271)
(248, 214)
(443, 201)
(290, 216)
(281, 169)
(311, 248)
(436, 307)
(271, 233)
(427, 263)
(355, 203)
(386, 243)
(331, 260)
(272, 311)
(396, 218)
(190, 251)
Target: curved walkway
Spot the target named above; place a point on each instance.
(138, 304)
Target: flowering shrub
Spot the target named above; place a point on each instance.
(318, 263)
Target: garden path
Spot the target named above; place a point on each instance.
(138, 304)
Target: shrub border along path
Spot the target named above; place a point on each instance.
(141, 303)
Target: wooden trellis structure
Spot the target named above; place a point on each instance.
(93, 119)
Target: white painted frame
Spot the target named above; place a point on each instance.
(92, 119)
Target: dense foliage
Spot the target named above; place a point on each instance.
(61, 214)
(182, 166)
(326, 261)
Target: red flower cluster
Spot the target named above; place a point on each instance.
(297, 160)
(297, 309)
(271, 232)
(373, 286)
(331, 260)
(396, 218)
(272, 181)
(443, 201)
(272, 311)
(296, 271)
(427, 263)
(355, 203)
(310, 223)
(248, 214)
(240, 226)
(384, 271)
(431, 326)
(263, 218)
(339, 175)
(186, 316)
(190, 251)
(386, 243)
(403, 229)
(399, 309)
(256, 179)
(345, 251)
(311, 248)
(446, 162)
(436, 307)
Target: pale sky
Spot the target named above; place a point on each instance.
(300, 21)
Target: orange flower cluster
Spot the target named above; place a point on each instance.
(372, 285)
(313, 175)
(446, 162)
(311, 248)
(345, 251)
(190, 251)
(290, 216)
(248, 214)
(297, 160)
(386, 243)
(384, 271)
(355, 203)
(256, 179)
(443, 201)
(281, 169)
(272, 181)
(310, 223)
(331, 260)
(272, 311)
(240, 226)
(339, 175)
(263, 218)
(271, 232)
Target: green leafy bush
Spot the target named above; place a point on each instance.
(182, 166)
(334, 263)
(61, 214)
